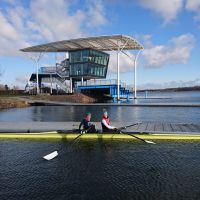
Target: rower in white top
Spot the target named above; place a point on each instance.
(106, 127)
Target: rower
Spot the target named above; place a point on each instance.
(106, 127)
(87, 125)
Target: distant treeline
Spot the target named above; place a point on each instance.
(194, 88)
(11, 92)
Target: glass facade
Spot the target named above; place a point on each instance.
(88, 63)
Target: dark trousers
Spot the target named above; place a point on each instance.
(91, 129)
(109, 130)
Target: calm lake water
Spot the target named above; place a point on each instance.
(100, 170)
(103, 169)
(188, 97)
(117, 114)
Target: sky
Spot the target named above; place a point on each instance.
(168, 30)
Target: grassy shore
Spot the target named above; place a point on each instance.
(11, 102)
(73, 98)
(19, 101)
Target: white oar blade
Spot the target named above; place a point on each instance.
(149, 142)
(51, 155)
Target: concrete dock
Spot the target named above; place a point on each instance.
(144, 127)
(58, 103)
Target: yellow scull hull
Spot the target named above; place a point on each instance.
(70, 136)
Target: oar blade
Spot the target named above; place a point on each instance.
(150, 142)
(51, 155)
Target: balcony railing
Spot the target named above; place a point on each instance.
(101, 82)
(62, 72)
(47, 70)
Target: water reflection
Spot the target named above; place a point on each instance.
(117, 114)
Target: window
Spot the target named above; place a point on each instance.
(88, 62)
(85, 55)
(85, 69)
(76, 70)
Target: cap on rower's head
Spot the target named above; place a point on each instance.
(88, 114)
(105, 112)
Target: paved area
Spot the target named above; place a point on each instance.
(58, 103)
(55, 103)
(149, 127)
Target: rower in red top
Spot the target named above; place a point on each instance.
(106, 127)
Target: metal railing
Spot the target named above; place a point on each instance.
(61, 71)
(101, 82)
(48, 70)
(98, 82)
(65, 87)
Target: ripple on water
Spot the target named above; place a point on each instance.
(99, 170)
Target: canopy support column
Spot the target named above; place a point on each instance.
(36, 59)
(118, 81)
(37, 77)
(51, 89)
(71, 88)
(82, 80)
(135, 71)
(135, 75)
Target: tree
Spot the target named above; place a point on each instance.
(6, 87)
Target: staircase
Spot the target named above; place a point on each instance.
(59, 81)
(59, 73)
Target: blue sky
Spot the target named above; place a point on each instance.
(169, 31)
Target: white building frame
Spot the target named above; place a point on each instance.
(102, 43)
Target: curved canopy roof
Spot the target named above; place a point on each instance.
(101, 43)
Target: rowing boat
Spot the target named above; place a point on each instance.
(70, 136)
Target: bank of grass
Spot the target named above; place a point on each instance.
(19, 101)
(72, 98)
(7, 102)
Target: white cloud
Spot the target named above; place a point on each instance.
(96, 13)
(167, 9)
(145, 40)
(177, 51)
(22, 79)
(43, 21)
(126, 64)
(170, 84)
(10, 37)
(194, 6)
(53, 21)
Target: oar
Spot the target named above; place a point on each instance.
(125, 127)
(146, 141)
(55, 153)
